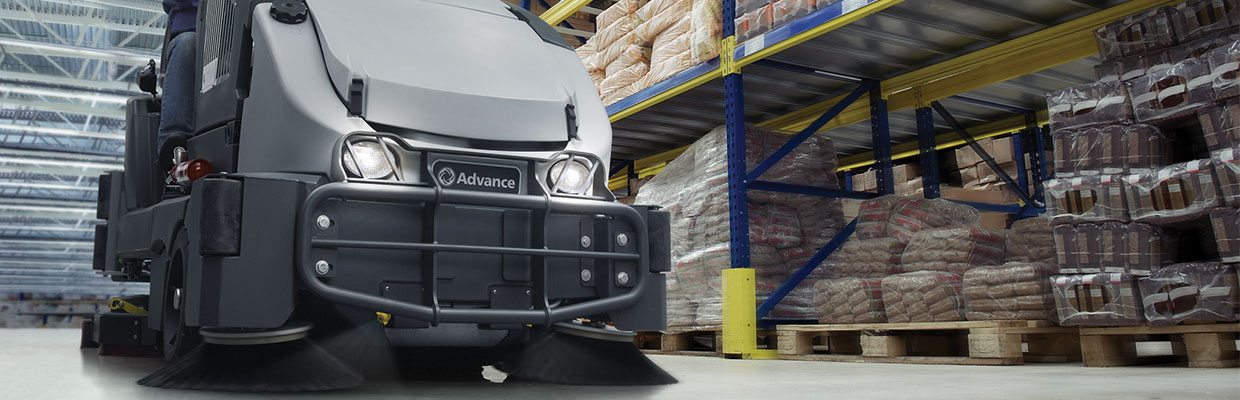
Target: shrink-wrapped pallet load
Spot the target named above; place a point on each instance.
(867, 258)
(1016, 290)
(1225, 70)
(1226, 224)
(1227, 171)
(954, 250)
(850, 301)
(1173, 93)
(1176, 193)
(1145, 149)
(1221, 125)
(1086, 199)
(1091, 104)
(1191, 293)
(1135, 248)
(785, 230)
(1031, 241)
(1137, 34)
(924, 296)
(1198, 19)
(1097, 300)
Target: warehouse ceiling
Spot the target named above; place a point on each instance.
(66, 69)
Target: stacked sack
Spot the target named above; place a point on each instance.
(1191, 293)
(1016, 290)
(1030, 240)
(785, 230)
(640, 43)
(891, 230)
(1097, 300)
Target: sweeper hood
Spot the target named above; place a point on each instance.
(472, 70)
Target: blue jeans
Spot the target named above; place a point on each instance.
(176, 116)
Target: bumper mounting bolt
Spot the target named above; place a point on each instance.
(586, 275)
(622, 240)
(322, 267)
(622, 278)
(323, 222)
(585, 241)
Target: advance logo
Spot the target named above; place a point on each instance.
(481, 177)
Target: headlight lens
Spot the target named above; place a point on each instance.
(569, 176)
(368, 159)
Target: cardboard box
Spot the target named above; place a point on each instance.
(987, 175)
(905, 173)
(966, 157)
(865, 181)
(990, 195)
(1001, 150)
(993, 220)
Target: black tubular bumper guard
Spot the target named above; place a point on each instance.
(434, 196)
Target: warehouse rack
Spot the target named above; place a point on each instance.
(922, 90)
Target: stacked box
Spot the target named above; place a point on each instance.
(755, 17)
(785, 230)
(955, 250)
(850, 301)
(1175, 92)
(1031, 240)
(1015, 290)
(1191, 293)
(1136, 35)
(1097, 300)
(1180, 192)
(1198, 19)
(923, 296)
(1086, 199)
(1135, 249)
(1088, 105)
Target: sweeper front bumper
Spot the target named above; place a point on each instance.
(429, 255)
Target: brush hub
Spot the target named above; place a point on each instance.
(255, 336)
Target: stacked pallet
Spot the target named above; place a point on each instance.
(785, 230)
(640, 43)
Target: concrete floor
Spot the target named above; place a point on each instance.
(46, 364)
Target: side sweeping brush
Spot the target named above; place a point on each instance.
(560, 357)
(292, 366)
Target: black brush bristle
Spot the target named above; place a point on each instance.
(297, 366)
(571, 360)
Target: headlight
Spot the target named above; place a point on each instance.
(569, 176)
(368, 159)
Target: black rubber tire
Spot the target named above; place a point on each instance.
(176, 338)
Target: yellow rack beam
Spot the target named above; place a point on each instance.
(1060, 44)
(562, 10)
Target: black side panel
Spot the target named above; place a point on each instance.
(218, 146)
(223, 60)
(100, 259)
(142, 176)
(659, 225)
(221, 217)
(104, 199)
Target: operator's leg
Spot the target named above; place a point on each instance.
(176, 121)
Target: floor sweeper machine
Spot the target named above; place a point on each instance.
(428, 175)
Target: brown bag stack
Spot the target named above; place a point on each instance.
(1172, 93)
(1226, 222)
(924, 296)
(1227, 170)
(1145, 149)
(1089, 105)
(954, 250)
(1086, 199)
(1136, 249)
(1225, 68)
(1031, 240)
(1221, 125)
(1179, 192)
(1014, 290)
(849, 301)
(1191, 293)
(872, 258)
(1097, 300)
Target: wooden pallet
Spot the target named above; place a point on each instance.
(955, 343)
(1204, 346)
(695, 342)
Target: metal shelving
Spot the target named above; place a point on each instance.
(872, 73)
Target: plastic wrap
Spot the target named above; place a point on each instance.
(786, 11)
(1193, 293)
(1097, 300)
(1086, 151)
(754, 22)
(1089, 198)
(1064, 165)
(1137, 34)
(1175, 92)
(1145, 149)
(918, 214)
(617, 13)
(707, 30)
(621, 80)
(1016, 290)
(1225, 70)
(1135, 249)
(672, 52)
(1227, 171)
(1065, 248)
(1090, 104)
(1226, 223)
(610, 34)
(1221, 126)
(954, 250)
(924, 296)
(653, 8)
(850, 301)
(1171, 194)
(586, 50)
(785, 230)
(867, 258)
(607, 54)
(873, 214)
(1031, 241)
(1196, 19)
(631, 55)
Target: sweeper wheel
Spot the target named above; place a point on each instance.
(176, 338)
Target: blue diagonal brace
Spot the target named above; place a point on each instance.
(822, 120)
(990, 161)
(810, 190)
(800, 274)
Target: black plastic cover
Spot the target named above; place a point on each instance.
(220, 222)
(544, 31)
(659, 224)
